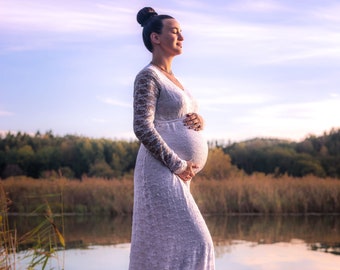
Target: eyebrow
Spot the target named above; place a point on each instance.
(177, 28)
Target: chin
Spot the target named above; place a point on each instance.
(179, 51)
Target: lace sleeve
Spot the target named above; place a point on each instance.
(146, 92)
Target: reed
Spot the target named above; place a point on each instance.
(40, 243)
(88, 196)
(260, 194)
(239, 193)
(7, 235)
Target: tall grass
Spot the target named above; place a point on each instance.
(237, 194)
(268, 195)
(7, 235)
(40, 243)
(88, 196)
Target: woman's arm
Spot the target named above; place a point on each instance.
(146, 92)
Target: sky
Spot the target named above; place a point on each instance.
(268, 69)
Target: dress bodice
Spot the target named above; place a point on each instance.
(158, 100)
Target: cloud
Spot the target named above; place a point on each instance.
(242, 99)
(41, 24)
(98, 120)
(329, 13)
(292, 119)
(317, 111)
(114, 102)
(269, 43)
(62, 16)
(29, 25)
(5, 113)
(256, 6)
(250, 37)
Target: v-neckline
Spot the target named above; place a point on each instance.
(159, 71)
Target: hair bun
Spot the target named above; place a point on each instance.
(145, 14)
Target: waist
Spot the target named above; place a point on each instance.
(169, 124)
(159, 121)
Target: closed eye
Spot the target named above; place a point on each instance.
(176, 30)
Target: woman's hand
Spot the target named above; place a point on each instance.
(194, 121)
(189, 172)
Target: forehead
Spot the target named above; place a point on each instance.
(171, 23)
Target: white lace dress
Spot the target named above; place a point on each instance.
(168, 230)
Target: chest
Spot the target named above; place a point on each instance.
(175, 101)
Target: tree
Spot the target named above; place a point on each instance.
(218, 165)
(101, 169)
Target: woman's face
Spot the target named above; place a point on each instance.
(171, 38)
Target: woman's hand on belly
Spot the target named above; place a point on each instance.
(188, 173)
(194, 121)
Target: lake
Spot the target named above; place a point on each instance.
(251, 242)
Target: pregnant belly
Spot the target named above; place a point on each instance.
(188, 144)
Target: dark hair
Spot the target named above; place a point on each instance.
(152, 23)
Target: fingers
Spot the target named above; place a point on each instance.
(193, 121)
(194, 166)
(189, 173)
(185, 177)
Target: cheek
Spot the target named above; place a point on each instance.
(171, 39)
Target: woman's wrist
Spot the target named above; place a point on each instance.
(182, 167)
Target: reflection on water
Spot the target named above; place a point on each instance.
(279, 256)
(321, 232)
(316, 230)
(241, 241)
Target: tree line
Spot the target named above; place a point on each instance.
(318, 156)
(46, 155)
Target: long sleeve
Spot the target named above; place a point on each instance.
(146, 92)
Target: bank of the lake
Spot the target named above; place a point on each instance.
(252, 194)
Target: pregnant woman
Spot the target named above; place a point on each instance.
(168, 230)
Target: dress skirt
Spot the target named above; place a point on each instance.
(168, 230)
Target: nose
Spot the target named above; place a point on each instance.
(180, 37)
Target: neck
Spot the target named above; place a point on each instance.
(163, 69)
(162, 63)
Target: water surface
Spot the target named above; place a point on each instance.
(241, 242)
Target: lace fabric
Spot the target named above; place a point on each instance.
(168, 230)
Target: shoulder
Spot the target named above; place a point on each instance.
(148, 72)
(148, 75)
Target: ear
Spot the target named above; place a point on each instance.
(154, 38)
